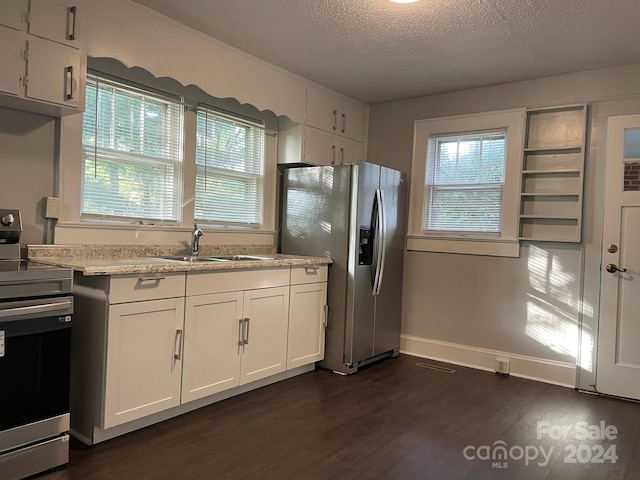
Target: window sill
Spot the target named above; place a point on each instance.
(466, 246)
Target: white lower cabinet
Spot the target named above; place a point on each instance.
(232, 339)
(143, 359)
(307, 323)
(144, 344)
(266, 314)
(307, 315)
(211, 344)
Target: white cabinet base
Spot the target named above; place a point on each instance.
(98, 435)
(144, 361)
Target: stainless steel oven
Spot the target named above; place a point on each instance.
(36, 309)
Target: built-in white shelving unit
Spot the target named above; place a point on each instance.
(553, 174)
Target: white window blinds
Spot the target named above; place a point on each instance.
(464, 183)
(229, 170)
(132, 143)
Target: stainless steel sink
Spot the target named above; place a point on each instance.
(191, 258)
(217, 258)
(240, 258)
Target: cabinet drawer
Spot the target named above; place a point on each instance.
(151, 286)
(202, 283)
(308, 274)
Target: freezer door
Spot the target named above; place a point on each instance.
(360, 326)
(389, 299)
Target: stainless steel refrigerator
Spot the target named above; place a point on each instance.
(356, 215)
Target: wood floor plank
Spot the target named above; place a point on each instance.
(392, 420)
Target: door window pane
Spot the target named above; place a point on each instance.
(632, 143)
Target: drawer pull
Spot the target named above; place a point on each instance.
(311, 269)
(150, 279)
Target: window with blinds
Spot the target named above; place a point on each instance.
(229, 169)
(464, 183)
(132, 145)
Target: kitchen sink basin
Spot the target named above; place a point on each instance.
(217, 258)
(240, 258)
(191, 258)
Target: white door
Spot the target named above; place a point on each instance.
(55, 20)
(619, 332)
(144, 359)
(53, 72)
(307, 310)
(265, 351)
(211, 344)
(11, 60)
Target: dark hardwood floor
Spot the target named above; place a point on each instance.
(392, 420)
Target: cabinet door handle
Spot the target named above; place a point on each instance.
(344, 123)
(68, 71)
(241, 332)
(334, 124)
(178, 345)
(246, 333)
(326, 316)
(71, 15)
(341, 155)
(333, 154)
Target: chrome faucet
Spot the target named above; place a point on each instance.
(195, 239)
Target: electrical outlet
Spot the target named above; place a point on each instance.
(52, 207)
(503, 366)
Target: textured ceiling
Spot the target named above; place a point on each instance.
(376, 50)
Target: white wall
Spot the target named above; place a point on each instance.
(138, 37)
(27, 163)
(469, 308)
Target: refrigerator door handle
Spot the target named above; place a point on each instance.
(383, 242)
(378, 235)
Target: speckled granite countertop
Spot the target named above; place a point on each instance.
(115, 260)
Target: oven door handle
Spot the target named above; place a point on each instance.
(61, 307)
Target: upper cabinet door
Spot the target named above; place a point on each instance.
(53, 73)
(336, 114)
(55, 20)
(322, 110)
(12, 13)
(352, 122)
(11, 60)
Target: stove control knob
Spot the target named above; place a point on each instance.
(8, 219)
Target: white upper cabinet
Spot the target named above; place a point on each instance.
(333, 114)
(43, 68)
(13, 13)
(55, 20)
(333, 133)
(12, 70)
(53, 73)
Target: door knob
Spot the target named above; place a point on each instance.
(613, 268)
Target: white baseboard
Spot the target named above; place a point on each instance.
(539, 369)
